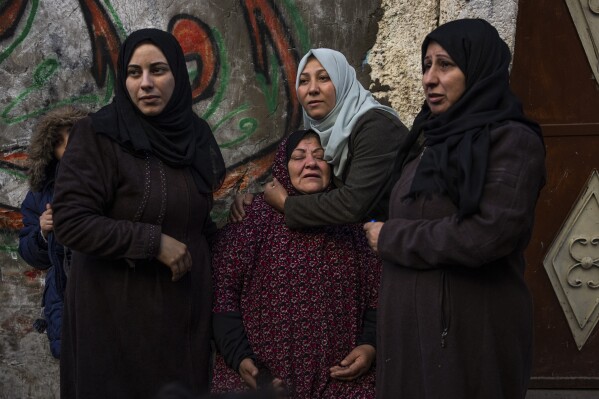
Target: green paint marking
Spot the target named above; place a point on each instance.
(224, 76)
(303, 36)
(86, 99)
(15, 173)
(43, 72)
(47, 68)
(41, 76)
(230, 115)
(117, 20)
(271, 91)
(4, 55)
(9, 248)
(193, 73)
(109, 87)
(247, 126)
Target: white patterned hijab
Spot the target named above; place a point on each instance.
(352, 101)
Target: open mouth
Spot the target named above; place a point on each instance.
(311, 176)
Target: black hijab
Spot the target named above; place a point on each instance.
(457, 141)
(177, 136)
(294, 139)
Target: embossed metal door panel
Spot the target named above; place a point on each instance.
(552, 74)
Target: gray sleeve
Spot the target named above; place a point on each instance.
(376, 139)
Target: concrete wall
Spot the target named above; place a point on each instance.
(395, 56)
(57, 52)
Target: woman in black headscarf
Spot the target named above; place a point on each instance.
(455, 313)
(132, 200)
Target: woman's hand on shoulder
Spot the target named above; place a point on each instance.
(175, 256)
(275, 195)
(237, 211)
(356, 363)
(373, 230)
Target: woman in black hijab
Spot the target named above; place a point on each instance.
(455, 313)
(132, 200)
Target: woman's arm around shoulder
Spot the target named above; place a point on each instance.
(376, 139)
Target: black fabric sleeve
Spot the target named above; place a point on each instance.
(368, 335)
(92, 171)
(210, 229)
(230, 338)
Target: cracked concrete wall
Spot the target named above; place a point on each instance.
(242, 60)
(395, 56)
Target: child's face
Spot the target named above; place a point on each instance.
(61, 145)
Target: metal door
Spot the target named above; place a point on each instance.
(552, 75)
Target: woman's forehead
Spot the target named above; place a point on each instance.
(313, 65)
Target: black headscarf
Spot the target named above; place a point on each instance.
(177, 136)
(457, 141)
(294, 139)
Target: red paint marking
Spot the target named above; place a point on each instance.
(10, 16)
(105, 41)
(33, 274)
(282, 43)
(196, 41)
(9, 219)
(247, 173)
(16, 156)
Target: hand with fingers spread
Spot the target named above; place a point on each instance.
(356, 363)
(46, 221)
(175, 256)
(275, 195)
(237, 211)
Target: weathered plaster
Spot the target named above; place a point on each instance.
(395, 56)
(47, 59)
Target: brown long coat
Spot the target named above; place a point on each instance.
(127, 328)
(465, 278)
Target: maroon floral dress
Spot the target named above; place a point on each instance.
(302, 295)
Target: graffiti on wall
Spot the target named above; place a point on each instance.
(273, 31)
